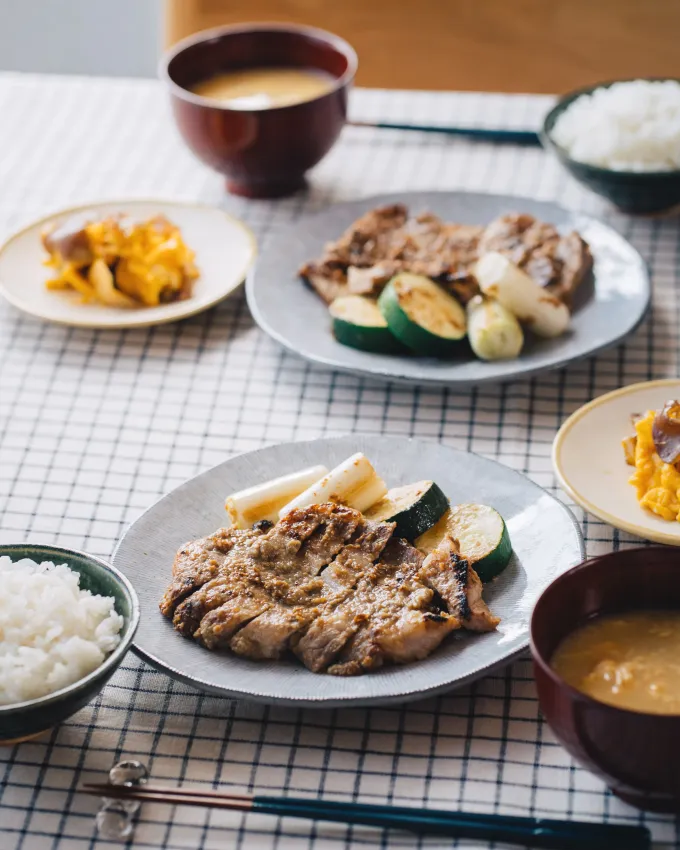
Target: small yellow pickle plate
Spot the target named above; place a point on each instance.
(590, 461)
(125, 263)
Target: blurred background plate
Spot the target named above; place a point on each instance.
(590, 465)
(225, 249)
(545, 537)
(295, 316)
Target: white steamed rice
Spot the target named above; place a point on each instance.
(630, 126)
(52, 633)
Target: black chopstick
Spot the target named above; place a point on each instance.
(528, 832)
(516, 137)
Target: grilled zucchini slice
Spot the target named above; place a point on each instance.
(358, 323)
(481, 534)
(422, 315)
(415, 508)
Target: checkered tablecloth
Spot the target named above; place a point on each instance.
(95, 426)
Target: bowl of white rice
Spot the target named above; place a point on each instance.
(66, 621)
(622, 140)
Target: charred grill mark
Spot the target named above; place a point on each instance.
(460, 570)
(435, 618)
(438, 604)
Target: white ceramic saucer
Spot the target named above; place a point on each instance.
(590, 466)
(225, 249)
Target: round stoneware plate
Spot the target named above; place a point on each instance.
(590, 466)
(295, 316)
(544, 534)
(225, 249)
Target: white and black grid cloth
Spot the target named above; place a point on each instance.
(95, 426)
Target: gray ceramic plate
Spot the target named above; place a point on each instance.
(544, 534)
(296, 317)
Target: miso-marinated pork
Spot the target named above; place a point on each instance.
(199, 561)
(391, 616)
(387, 240)
(281, 565)
(459, 586)
(271, 633)
(325, 583)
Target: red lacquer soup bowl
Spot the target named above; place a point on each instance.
(262, 152)
(635, 753)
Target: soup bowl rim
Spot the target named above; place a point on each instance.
(541, 661)
(336, 42)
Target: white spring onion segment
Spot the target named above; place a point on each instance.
(264, 501)
(536, 308)
(353, 483)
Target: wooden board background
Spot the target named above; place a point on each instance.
(473, 45)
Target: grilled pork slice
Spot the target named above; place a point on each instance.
(367, 240)
(386, 241)
(199, 561)
(398, 618)
(270, 634)
(448, 255)
(339, 580)
(389, 616)
(417, 245)
(577, 261)
(281, 564)
(363, 244)
(328, 281)
(459, 586)
(371, 280)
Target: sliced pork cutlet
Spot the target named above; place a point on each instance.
(279, 566)
(445, 253)
(423, 245)
(362, 245)
(404, 248)
(371, 280)
(414, 239)
(328, 281)
(516, 235)
(451, 576)
(390, 616)
(337, 624)
(577, 263)
(398, 618)
(199, 561)
(337, 583)
(386, 241)
(271, 633)
(366, 241)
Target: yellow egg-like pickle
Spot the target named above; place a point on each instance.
(657, 484)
